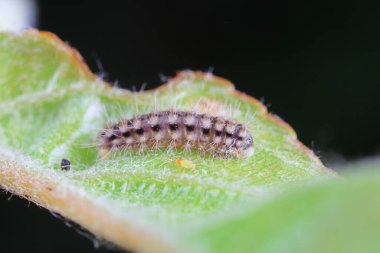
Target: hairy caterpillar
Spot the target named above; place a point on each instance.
(178, 129)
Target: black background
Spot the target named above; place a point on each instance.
(314, 63)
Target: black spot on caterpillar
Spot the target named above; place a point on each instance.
(178, 129)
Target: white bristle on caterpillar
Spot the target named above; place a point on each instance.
(180, 129)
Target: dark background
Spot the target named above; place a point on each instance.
(314, 63)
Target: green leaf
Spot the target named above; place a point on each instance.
(336, 216)
(53, 107)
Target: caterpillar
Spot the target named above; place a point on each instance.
(178, 129)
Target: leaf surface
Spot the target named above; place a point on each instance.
(53, 107)
(335, 216)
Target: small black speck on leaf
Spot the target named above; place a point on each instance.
(65, 164)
